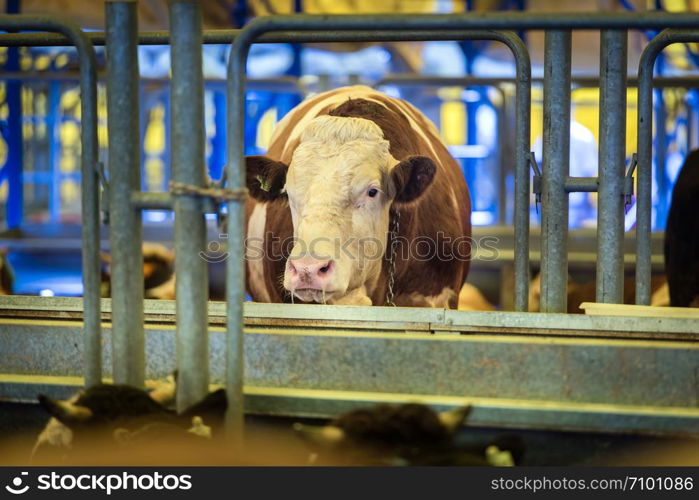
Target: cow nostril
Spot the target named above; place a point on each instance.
(324, 269)
(292, 268)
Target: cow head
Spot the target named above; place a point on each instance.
(340, 186)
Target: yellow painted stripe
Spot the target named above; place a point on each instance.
(429, 399)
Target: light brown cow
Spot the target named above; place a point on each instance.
(343, 169)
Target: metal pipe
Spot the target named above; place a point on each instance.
(414, 26)
(187, 132)
(522, 173)
(151, 201)
(576, 81)
(92, 338)
(645, 152)
(612, 154)
(484, 20)
(235, 264)
(283, 83)
(581, 185)
(556, 156)
(125, 233)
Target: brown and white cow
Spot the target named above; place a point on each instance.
(342, 168)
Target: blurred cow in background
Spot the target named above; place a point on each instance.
(158, 272)
(682, 236)
(7, 277)
(407, 434)
(123, 416)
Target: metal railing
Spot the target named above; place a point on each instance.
(92, 340)
(645, 150)
(126, 200)
(556, 141)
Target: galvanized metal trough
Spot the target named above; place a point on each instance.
(540, 371)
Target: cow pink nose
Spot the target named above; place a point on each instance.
(308, 272)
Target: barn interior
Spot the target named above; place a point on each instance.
(86, 198)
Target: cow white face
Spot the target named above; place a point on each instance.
(340, 186)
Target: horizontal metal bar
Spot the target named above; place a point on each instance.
(484, 411)
(151, 201)
(577, 81)
(90, 204)
(581, 184)
(225, 37)
(572, 184)
(164, 201)
(491, 20)
(320, 317)
(283, 83)
(304, 373)
(441, 24)
(98, 38)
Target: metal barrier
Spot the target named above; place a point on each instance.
(645, 145)
(187, 125)
(125, 200)
(92, 340)
(556, 142)
(236, 112)
(125, 232)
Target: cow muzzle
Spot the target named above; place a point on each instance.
(310, 279)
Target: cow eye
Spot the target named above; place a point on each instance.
(372, 192)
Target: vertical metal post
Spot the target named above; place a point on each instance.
(612, 137)
(92, 338)
(235, 265)
(556, 156)
(125, 232)
(187, 147)
(522, 170)
(92, 317)
(644, 180)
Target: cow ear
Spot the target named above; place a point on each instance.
(452, 420)
(65, 412)
(265, 177)
(411, 177)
